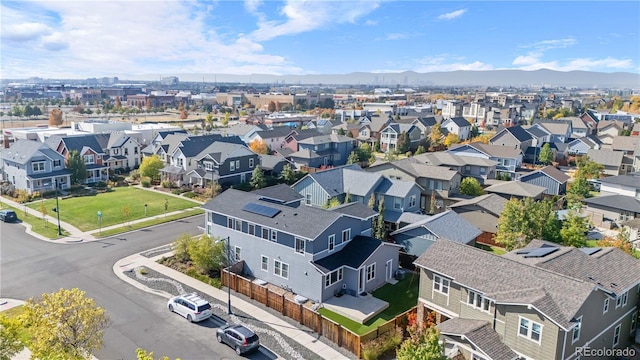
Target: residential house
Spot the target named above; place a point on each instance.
(619, 201)
(578, 127)
(626, 144)
(296, 135)
(371, 128)
(244, 131)
(627, 185)
(273, 137)
(154, 145)
(513, 137)
(426, 124)
(443, 183)
(613, 161)
(451, 109)
(317, 259)
(417, 237)
(347, 128)
(539, 134)
(34, 167)
(607, 130)
(508, 158)
(458, 125)
(390, 134)
(90, 151)
(121, 150)
(516, 189)
(518, 305)
(323, 126)
(327, 150)
(582, 145)
(221, 162)
(273, 164)
(553, 180)
(560, 130)
(590, 119)
(482, 212)
(479, 168)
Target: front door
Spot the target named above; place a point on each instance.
(389, 269)
(361, 281)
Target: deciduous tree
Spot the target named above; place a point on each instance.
(546, 154)
(259, 146)
(65, 325)
(435, 136)
(207, 254)
(420, 150)
(151, 166)
(78, 168)
(574, 229)
(423, 343)
(471, 186)
(403, 143)
(620, 241)
(144, 355)
(55, 117)
(288, 175)
(353, 158)
(524, 220)
(271, 107)
(10, 337)
(451, 139)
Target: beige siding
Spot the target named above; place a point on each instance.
(450, 303)
(469, 312)
(546, 349)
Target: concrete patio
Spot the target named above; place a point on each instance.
(356, 308)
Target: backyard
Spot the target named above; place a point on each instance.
(401, 297)
(121, 205)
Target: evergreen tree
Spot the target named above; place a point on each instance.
(379, 231)
(403, 143)
(372, 202)
(258, 180)
(353, 158)
(288, 175)
(78, 169)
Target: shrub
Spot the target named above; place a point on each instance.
(372, 350)
(146, 182)
(190, 195)
(168, 184)
(101, 184)
(134, 174)
(143, 271)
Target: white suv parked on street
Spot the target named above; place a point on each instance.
(191, 306)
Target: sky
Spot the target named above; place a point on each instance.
(95, 38)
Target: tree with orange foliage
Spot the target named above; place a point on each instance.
(183, 114)
(423, 341)
(55, 117)
(272, 106)
(621, 241)
(259, 146)
(118, 104)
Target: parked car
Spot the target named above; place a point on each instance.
(191, 306)
(8, 216)
(239, 337)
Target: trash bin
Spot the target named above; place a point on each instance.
(399, 274)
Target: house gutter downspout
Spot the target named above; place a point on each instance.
(564, 344)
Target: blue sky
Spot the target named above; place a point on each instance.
(78, 39)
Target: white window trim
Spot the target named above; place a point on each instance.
(625, 298)
(619, 301)
(332, 243)
(617, 329)
(634, 323)
(304, 246)
(274, 235)
(371, 267)
(577, 329)
(39, 163)
(251, 162)
(605, 306)
(307, 199)
(237, 253)
(249, 228)
(482, 301)
(339, 276)
(440, 284)
(262, 257)
(346, 238)
(529, 330)
(281, 268)
(232, 166)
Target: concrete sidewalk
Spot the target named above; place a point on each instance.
(302, 337)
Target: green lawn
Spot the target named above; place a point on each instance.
(401, 297)
(38, 225)
(81, 212)
(144, 224)
(493, 249)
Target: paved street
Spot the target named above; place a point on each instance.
(30, 267)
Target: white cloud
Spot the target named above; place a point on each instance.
(24, 31)
(370, 22)
(545, 45)
(535, 62)
(445, 62)
(397, 36)
(452, 15)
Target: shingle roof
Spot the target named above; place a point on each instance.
(76, 142)
(518, 132)
(484, 221)
(353, 254)
(491, 202)
(196, 145)
(395, 188)
(221, 151)
(426, 121)
(481, 335)
(280, 192)
(324, 139)
(301, 134)
(417, 168)
(536, 131)
(550, 171)
(22, 151)
(624, 143)
(278, 131)
(494, 276)
(631, 180)
(358, 182)
(620, 202)
(332, 180)
(305, 154)
(440, 158)
(459, 121)
(268, 162)
(355, 209)
(556, 127)
(448, 225)
(497, 151)
(516, 188)
(291, 220)
(576, 122)
(606, 157)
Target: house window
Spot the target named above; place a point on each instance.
(135, 150)
(412, 201)
(616, 335)
(307, 199)
(265, 263)
(576, 330)
(620, 299)
(482, 170)
(208, 166)
(88, 159)
(346, 235)
(281, 269)
(371, 272)
(300, 246)
(57, 163)
(333, 277)
(441, 284)
(232, 166)
(477, 301)
(37, 166)
(250, 162)
(467, 168)
(634, 321)
(332, 242)
(252, 229)
(274, 235)
(230, 223)
(126, 151)
(397, 203)
(530, 330)
(237, 225)
(238, 164)
(265, 233)
(605, 308)
(625, 297)
(236, 253)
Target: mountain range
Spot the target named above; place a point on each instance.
(503, 78)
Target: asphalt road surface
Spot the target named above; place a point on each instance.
(30, 267)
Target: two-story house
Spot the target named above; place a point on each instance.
(314, 252)
(34, 167)
(440, 181)
(551, 178)
(509, 159)
(328, 150)
(560, 130)
(121, 150)
(482, 212)
(426, 124)
(291, 140)
(543, 301)
(479, 168)
(90, 151)
(515, 137)
(390, 134)
(371, 128)
(223, 163)
(582, 145)
(618, 202)
(614, 162)
(274, 137)
(458, 125)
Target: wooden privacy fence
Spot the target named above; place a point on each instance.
(313, 320)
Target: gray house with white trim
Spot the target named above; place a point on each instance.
(312, 251)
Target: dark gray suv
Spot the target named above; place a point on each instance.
(8, 216)
(239, 337)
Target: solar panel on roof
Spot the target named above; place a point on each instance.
(261, 210)
(541, 252)
(590, 251)
(523, 251)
